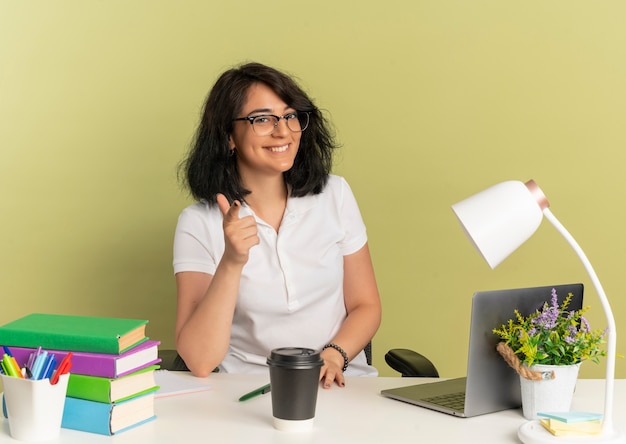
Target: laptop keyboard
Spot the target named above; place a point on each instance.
(454, 401)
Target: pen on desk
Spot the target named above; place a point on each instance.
(256, 392)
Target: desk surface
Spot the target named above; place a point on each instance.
(354, 414)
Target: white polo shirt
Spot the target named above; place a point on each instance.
(291, 291)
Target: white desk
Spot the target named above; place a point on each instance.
(354, 414)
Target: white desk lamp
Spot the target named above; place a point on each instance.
(497, 221)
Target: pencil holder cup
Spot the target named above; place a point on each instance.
(34, 408)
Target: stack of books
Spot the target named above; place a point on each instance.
(112, 385)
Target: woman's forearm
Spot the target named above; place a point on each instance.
(203, 327)
(358, 329)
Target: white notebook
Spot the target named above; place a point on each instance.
(178, 383)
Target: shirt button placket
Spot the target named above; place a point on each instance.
(292, 301)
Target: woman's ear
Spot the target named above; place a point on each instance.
(231, 143)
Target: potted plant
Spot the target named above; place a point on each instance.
(546, 348)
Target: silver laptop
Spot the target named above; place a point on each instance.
(490, 385)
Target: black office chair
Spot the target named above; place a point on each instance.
(410, 363)
(171, 360)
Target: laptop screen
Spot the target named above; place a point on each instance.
(491, 383)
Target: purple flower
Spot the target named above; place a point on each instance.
(571, 334)
(548, 316)
(584, 325)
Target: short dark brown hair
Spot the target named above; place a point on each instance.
(209, 167)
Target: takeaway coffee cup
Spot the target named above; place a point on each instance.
(294, 381)
(34, 407)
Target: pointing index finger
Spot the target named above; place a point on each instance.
(231, 211)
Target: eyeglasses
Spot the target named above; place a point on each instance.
(266, 124)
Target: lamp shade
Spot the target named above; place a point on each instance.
(501, 218)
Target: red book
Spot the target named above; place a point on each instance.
(100, 364)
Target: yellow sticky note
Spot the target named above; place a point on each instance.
(559, 428)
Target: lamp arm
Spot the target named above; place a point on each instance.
(607, 424)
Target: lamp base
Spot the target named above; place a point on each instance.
(533, 432)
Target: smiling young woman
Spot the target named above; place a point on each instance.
(274, 253)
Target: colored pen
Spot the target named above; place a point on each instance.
(256, 392)
(8, 370)
(17, 368)
(33, 357)
(39, 364)
(64, 367)
(11, 362)
(48, 367)
(31, 360)
(9, 367)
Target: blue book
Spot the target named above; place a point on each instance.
(107, 418)
(103, 418)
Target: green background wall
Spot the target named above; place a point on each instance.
(432, 102)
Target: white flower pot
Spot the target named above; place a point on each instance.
(549, 395)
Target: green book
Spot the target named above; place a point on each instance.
(109, 390)
(74, 333)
